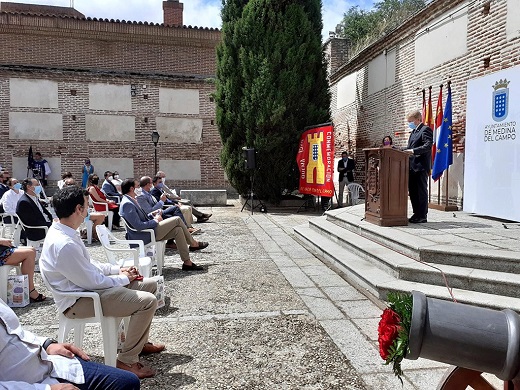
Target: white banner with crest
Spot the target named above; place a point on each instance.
(492, 150)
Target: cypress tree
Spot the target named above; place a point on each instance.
(271, 83)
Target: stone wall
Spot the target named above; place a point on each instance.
(448, 41)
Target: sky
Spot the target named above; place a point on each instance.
(200, 13)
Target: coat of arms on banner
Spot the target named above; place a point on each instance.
(500, 100)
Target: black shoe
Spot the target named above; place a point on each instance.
(202, 245)
(203, 218)
(192, 267)
(418, 220)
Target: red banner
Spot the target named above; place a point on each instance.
(316, 161)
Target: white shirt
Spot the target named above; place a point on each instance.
(68, 266)
(36, 200)
(24, 364)
(10, 200)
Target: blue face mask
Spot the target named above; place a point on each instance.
(344, 159)
(37, 190)
(17, 186)
(160, 185)
(412, 125)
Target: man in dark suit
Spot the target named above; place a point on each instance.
(164, 229)
(31, 211)
(149, 203)
(345, 168)
(420, 146)
(109, 189)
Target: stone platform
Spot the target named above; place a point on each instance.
(478, 257)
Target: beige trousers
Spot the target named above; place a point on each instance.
(174, 228)
(136, 300)
(188, 216)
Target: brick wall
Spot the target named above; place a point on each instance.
(372, 117)
(75, 52)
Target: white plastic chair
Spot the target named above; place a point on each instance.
(156, 247)
(4, 273)
(10, 230)
(109, 325)
(106, 212)
(139, 258)
(35, 244)
(355, 190)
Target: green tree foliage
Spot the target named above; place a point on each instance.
(363, 27)
(271, 83)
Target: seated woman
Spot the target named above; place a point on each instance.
(98, 196)
(64, 177)
(10, 198)
(24, 257)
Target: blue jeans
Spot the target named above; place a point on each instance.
(101, 377)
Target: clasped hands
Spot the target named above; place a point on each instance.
(132, 273)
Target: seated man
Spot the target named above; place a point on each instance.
(64, 177)
(109, 188)
(27, 360)
(157, 191)
(67, 266)
(31, 211)
(167, 229)
(150, 203)
(172, 195)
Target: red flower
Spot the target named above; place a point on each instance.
(388, 331)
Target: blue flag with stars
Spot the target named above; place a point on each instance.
(444, 154)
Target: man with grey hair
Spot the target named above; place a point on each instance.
(420, 147)
(173, 197)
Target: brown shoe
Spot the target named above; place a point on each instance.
(150, 348)
(137, 368)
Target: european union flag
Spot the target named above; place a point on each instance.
(444, 153)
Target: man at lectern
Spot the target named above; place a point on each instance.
(420, 145)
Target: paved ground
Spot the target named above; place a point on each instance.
(265, 315)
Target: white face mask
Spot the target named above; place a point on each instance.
(164, 181)
(116, 176)
(138, 191)
(110, 178)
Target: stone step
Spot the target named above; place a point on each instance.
(376, 281)
(409, 269)
(430, 251)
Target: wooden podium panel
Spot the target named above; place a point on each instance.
(386, 186)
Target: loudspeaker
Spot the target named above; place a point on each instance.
(249, 157)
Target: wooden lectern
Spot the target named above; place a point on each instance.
(386, 186)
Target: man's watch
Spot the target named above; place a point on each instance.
(48, 342)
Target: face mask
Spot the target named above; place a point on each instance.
(37, 190)
(160, 185)
(386, 143)
(116, 176)
(110, 178)
(88, 215)
(412, 125)
(344, 159)
(17, 186)
(164, 181)
(95, 182)
(138, 191)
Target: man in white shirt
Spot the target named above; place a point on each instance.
(10, 199)
(67, 266)
(28, 361)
